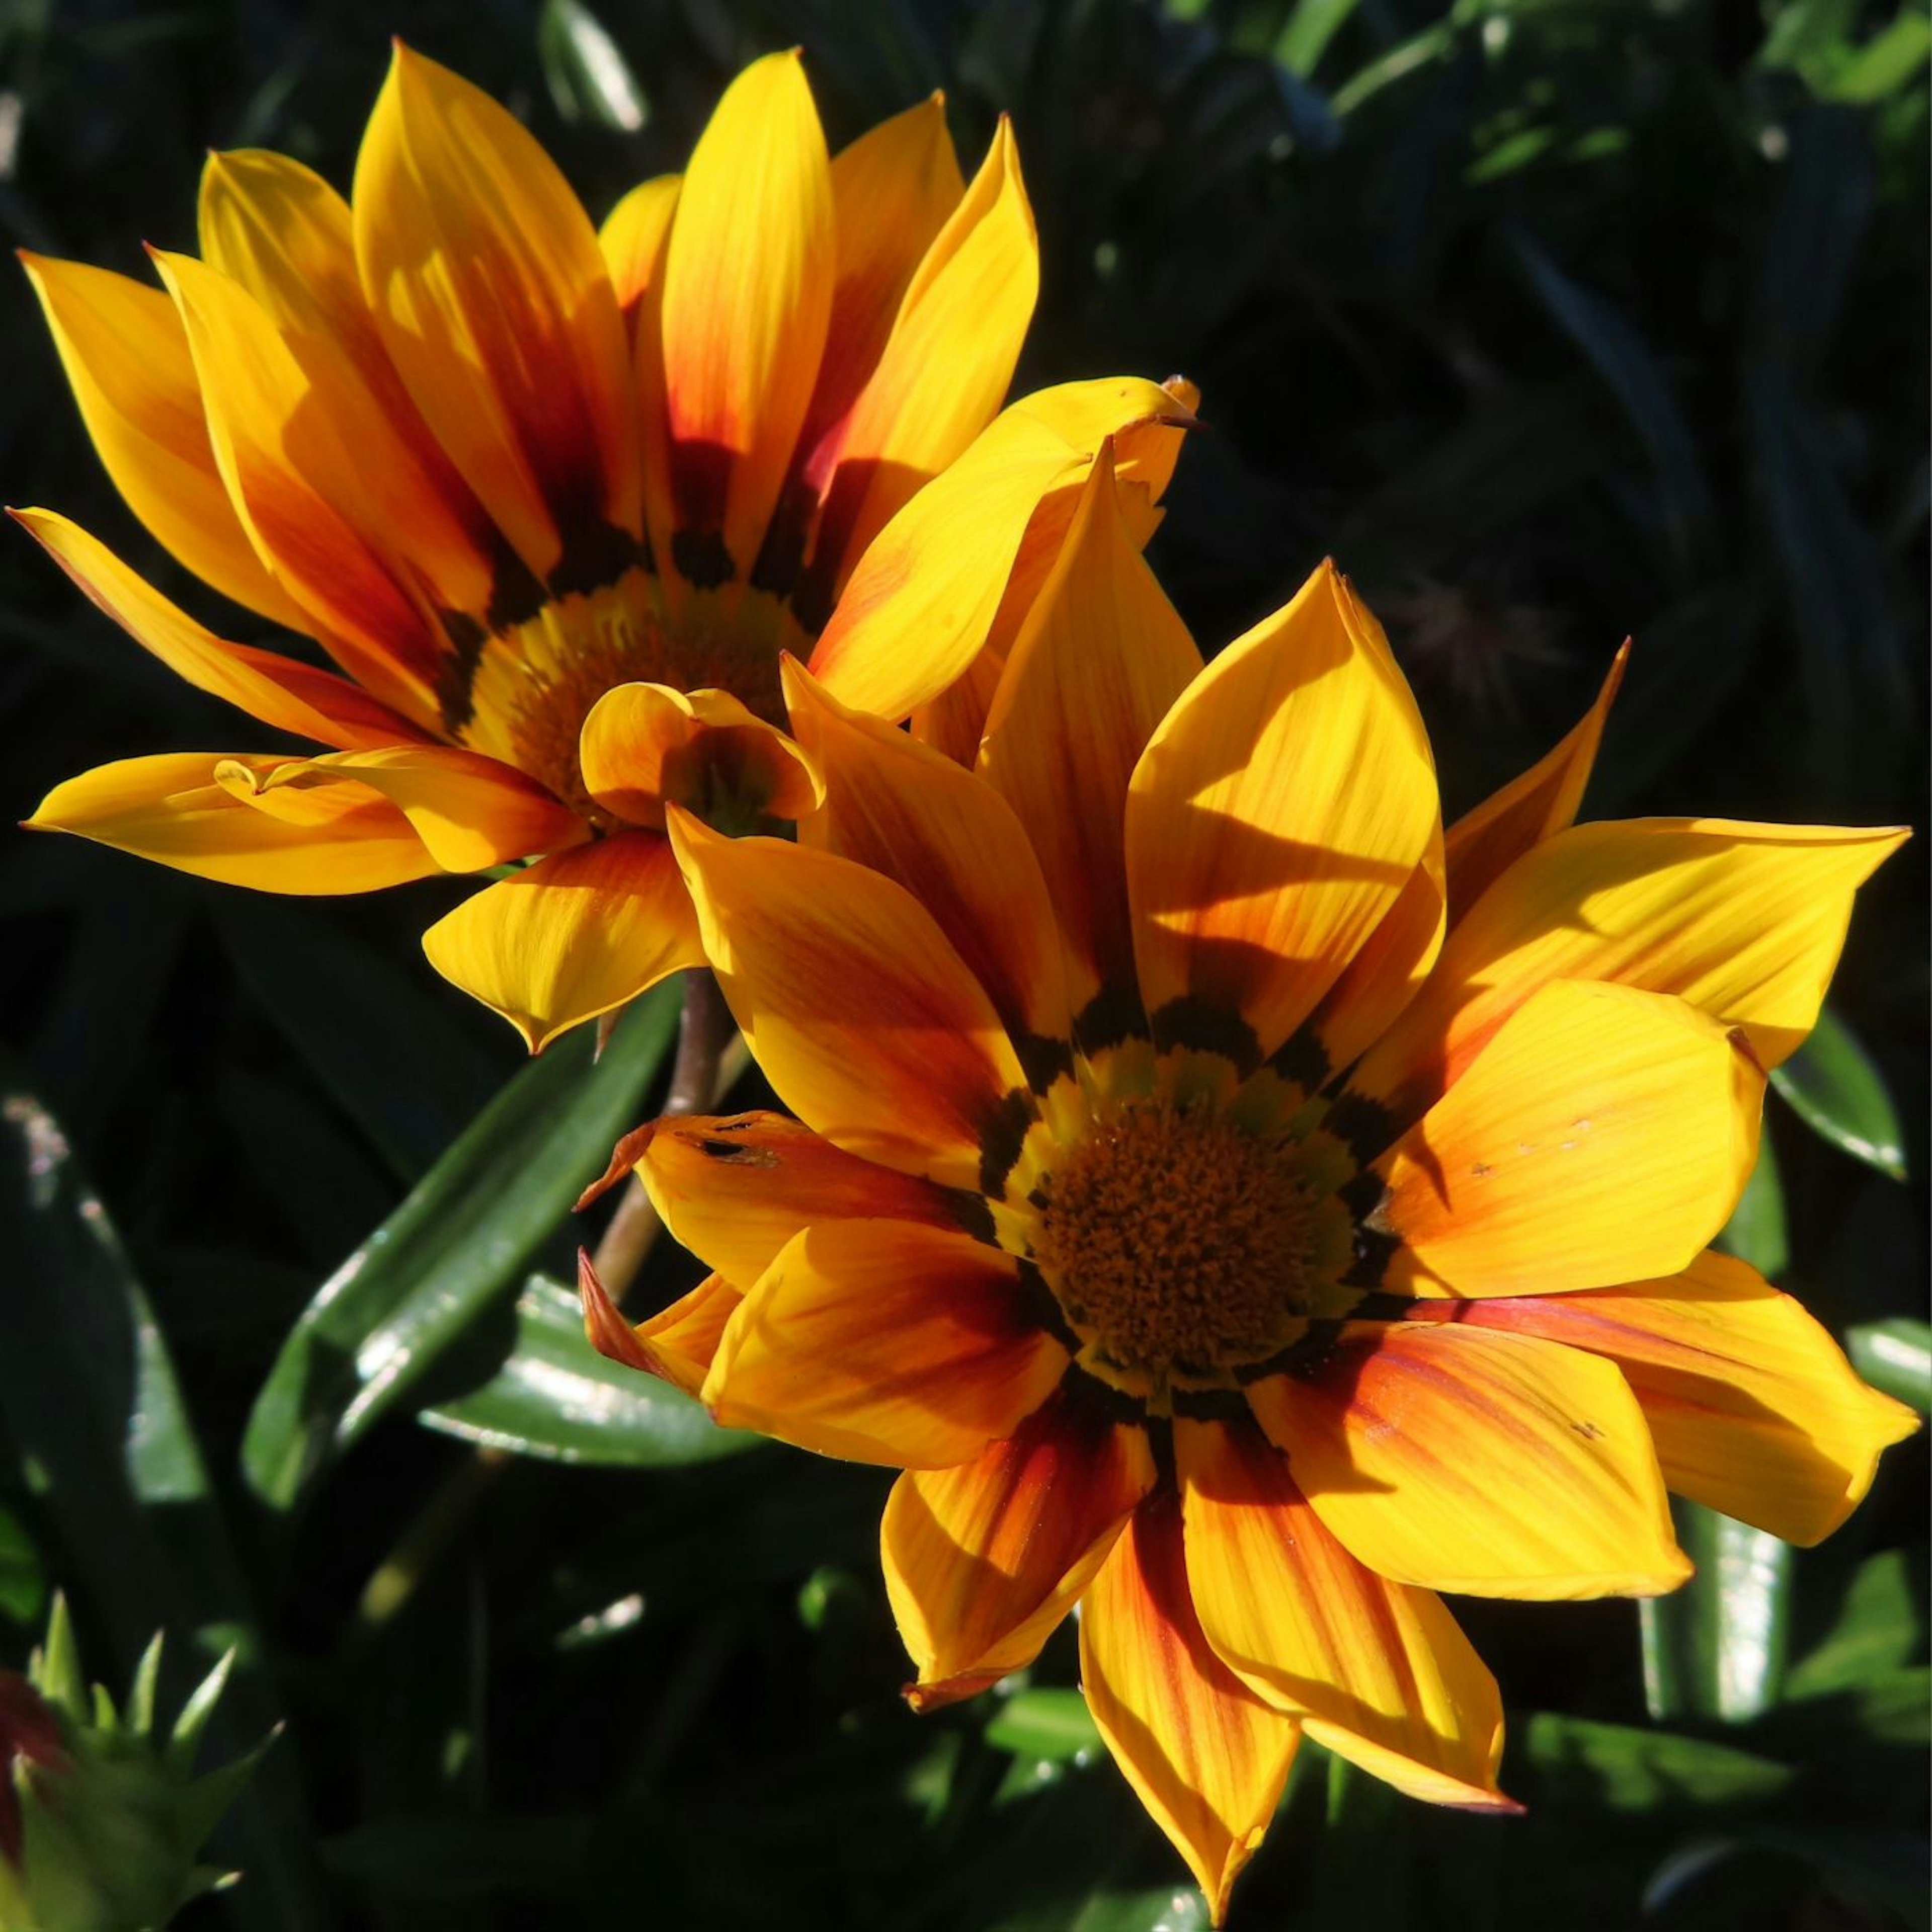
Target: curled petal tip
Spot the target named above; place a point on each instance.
(624, 1157)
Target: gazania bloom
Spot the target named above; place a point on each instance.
(556, 501)
(1214, 1242)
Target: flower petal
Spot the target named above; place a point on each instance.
(491, 295)
(677, 1345)
(861, 1015)
(1206, 1757)
(1378, 1671)
(1754, 1408)
(1452, 1458)
(635, 237)
(174, 809)
(735, 1190)
(1276, 817)
(1102, 657)
(922, 602)
(646, 746)
(470, 810)
(903, 811)
(1744, 921)
(747, 303)
(982, 1562)
(1484, 843)
(127, 355)
(1603, 1136)
(581, 933)
(883, 1342)
(636, 243)
(282, 693)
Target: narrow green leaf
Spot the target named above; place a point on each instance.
(452, 1252)
(1832, 1085)
(1892, 59)
(556, 1399)
(588, 76)
(1896, 1356)
(56, 1671)
(141, 1692)
(1050, 1725)
(23, 1576)
(1716, 1649)
(1310, 27)
(1880, 1628)
(1625, 1769)
(185, 1742)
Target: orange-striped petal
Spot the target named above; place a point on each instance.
(1102, 658)
(636, 242)
(1752, 1407)
(1378, 1671)
(910, 814)
(491, 295)
(1276, 817)
(982, 1562)
(1453, 1459)
(747, 302)
(1603, 1136)
(645, 746)
(581, 934)
(1207, 1758)
(735, 1190)
(634, 236)
(884, 1341)
(862, 1015)
(923, 601)
(677, 1345)
(126, 355)
(176, 809)
(283, 693)
(1486, 841)
(1744, 921)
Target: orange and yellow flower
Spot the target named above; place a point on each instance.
(1240, 1207)
(555, 501)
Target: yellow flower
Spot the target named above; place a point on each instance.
(1240, 1208)
(557, 501)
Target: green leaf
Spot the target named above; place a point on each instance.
(1757, 1232)
(23, 1576)
(556, 1399)
(1896, 1356)
(588, 76)
(1625, 1769)
(1310, 27)
(1832, 1085)
(1053, 1725)
(1880, 1628)
(1716, 1649)
(1892, 59)
(452, 1252)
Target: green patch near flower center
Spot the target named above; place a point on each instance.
(1181, 1246)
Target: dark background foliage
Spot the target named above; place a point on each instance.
(1555, 321)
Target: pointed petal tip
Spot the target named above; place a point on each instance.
(924, 1697)
(624, 1157)
(603, 1326)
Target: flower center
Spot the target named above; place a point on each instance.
(1178, 1243)
(535, 681)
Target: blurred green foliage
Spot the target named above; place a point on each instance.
(1555, 321)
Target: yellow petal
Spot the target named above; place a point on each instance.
(1205, 1755)
(1484, 843)
(283, 693)
(748, 299)
(735, 1190)
(491, 295)
(677, 1345)
(645, 746)
(1744, 921)
(470, 810)
(1603, 1136)
(126, 354)
(634, 236)
(636, 242)
(1102, 658)
(581, 934)
(983, 1561)
(1754, 1408)
(1276, 817)
(907, 813)
(174, 809)
(1378, 1671)
(1452, 1458)
(882, 1342)
(943, 371)
(922, 602)
(863, 1017)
